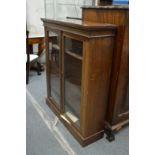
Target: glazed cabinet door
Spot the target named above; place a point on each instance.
(72, 80)
(53, 59)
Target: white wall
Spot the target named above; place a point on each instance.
(64, 8)
(34, 11)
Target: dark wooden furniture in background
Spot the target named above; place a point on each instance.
(101, 2)
(118, 107)
(40, 41)
(78, 69)
(105, 2)
(31, 59)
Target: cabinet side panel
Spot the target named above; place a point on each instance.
(97, 75)
(122, 93)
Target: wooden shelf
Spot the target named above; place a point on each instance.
(55, 46)
(73, 55)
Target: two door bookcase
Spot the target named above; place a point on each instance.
(78, 71)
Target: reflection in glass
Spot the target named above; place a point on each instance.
(54, 52)
(73, 69)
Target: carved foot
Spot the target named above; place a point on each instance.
(109, 135)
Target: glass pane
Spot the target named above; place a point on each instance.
(73, 46)
(54, 54)
(73, 71)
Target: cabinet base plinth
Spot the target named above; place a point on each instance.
(84, 141)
